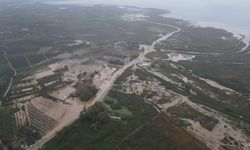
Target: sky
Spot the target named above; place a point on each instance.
(229, 13)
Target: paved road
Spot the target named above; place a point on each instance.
(107, 85)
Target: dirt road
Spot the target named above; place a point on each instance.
(11, 79)
(107, 85)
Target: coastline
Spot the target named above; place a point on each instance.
(237, 31)
(240, 34)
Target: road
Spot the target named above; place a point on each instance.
(11, 79)
(245, 40)
(107, 85)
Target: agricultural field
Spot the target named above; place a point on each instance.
(128, 119)
(141, 118)
(30, 37)
(119, 78)
(159, 128)
(110, 132)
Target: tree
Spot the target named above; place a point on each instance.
(96, 114)
(85, 91)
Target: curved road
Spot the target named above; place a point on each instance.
(11, 79)
(245, 47)
(107, 85)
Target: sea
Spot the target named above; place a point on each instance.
(232, 15)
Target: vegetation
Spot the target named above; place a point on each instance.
(230, 105)
(117, 109)
(231, 75)
(36, 58)
(97, 115)
(112, 102)
(82, 135)
(202, 40)
(19, 62)
(29, 134)
(163, 135)
(116, 62)
(123, 112)
(48, 79)
(185, 111)
(8, 128)
(86, 91)
(5, 74)
(125, 75)
(142, 75)
(160, 29)
(28, 32)
(30, 35)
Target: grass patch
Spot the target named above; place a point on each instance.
(160, 29)
(124, 113)
(117, 108)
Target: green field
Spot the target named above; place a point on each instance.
(123, 112)
(160, 29)
(7, 124)
(117, 109)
